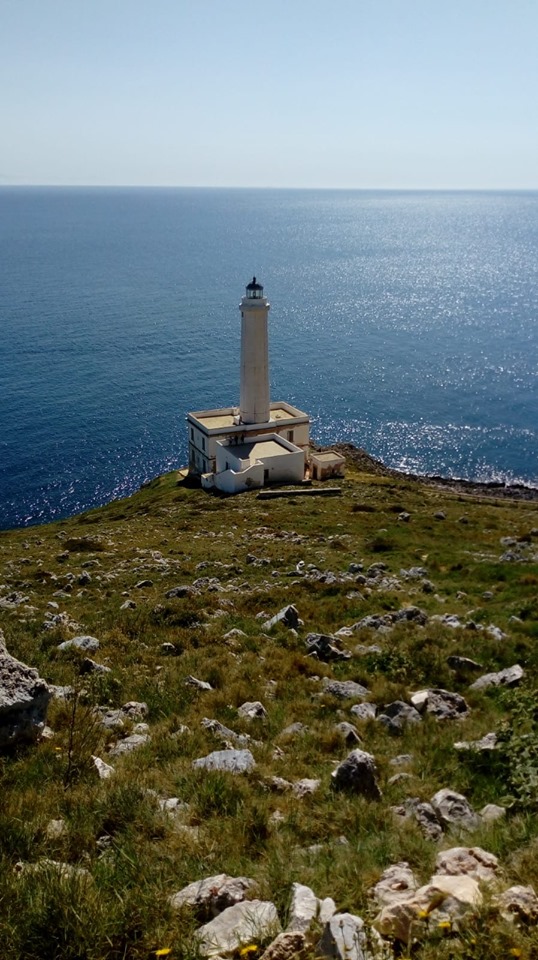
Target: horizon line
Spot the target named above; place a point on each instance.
(201, 186)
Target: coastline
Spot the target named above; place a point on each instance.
(492, 489)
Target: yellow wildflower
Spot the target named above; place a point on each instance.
(515, 952)
(163, 952)
(246, 951)
(445, 924)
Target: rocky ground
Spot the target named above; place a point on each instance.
(306, 727)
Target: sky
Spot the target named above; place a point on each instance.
(370, 94)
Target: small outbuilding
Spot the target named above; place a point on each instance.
(325, 465)
(267, 458)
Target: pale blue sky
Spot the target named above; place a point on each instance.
(293, 93)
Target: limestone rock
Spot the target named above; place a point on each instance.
(183, 590)
(134, 742)
(224, 733)
(323, 647)
(305, 908)
(463, 665)
(90, 666)
(104, 770)
(484, 745)
(364, 711)
(304, 787)
(88, 644)
(471, 861)
(395, 716)
(191, 681)
(212, 895)
(492, 812)
(449, 897)
(348, 732)
(252, 710)
(518, 904)
(344, 689)
(24, 698)
(231, 761)
(286, 946)
(288, 617)
(344, 938)
(243, 924)
(358, 774)
(454, 810)
(396, 883)
(442, 704)
(510, 677)
(426, 818)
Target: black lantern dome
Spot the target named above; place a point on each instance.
(254, 290)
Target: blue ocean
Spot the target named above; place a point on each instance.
(404, 322)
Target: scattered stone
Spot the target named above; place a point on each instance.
(518, 904)
(169, 650)
(454, 810)
(463, 665)
(134, 742)
(277, 784)
(396, 883)
(191, 681)
(348, 732)
(288, 616)
(24, 698)
(343, 689)
(55, 829)
(183, 590)
(286, 946)
(442, 704)
(402, 760)
(252, 710)
(135, 709)
(104, 770)
(484, 745)
(444, 897)
(231, 761)
(344, 938)
(224, 733)
(510, 677)
(61, 872)
(294, 729)
(128, 605)
(406, 614)
(143, 583)
(364, 711)
(235, 632)
(425, 816)
(471, 861)
(88, 644)
(440, 515)
(304, 908)
(404, 517)
(210, 896)
(358, 773)
(323, 647)
(246, 923)
(90, 666)
(395, 716)
(304, 787)
(492, 812)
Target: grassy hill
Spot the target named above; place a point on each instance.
(106, 574)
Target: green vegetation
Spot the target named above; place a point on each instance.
(134, 854)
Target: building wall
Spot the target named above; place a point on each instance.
(203, 447)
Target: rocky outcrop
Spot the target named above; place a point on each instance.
(24, 698)
(246, 923)
(358, 774)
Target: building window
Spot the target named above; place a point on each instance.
(290, 436)
(203, 443)
(192, 434)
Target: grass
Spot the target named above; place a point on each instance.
(136, 855)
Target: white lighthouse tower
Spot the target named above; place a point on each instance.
(254, 404)
(237, 448)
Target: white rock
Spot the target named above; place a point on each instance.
(212, 895)
(344, 938)
(469, 861)
(245, 923)
(103, 769)
(396, 883)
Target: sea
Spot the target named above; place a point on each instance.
(402, 322)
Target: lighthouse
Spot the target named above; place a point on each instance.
(254, 405)
(238, 448)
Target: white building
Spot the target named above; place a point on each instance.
(235, 448)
